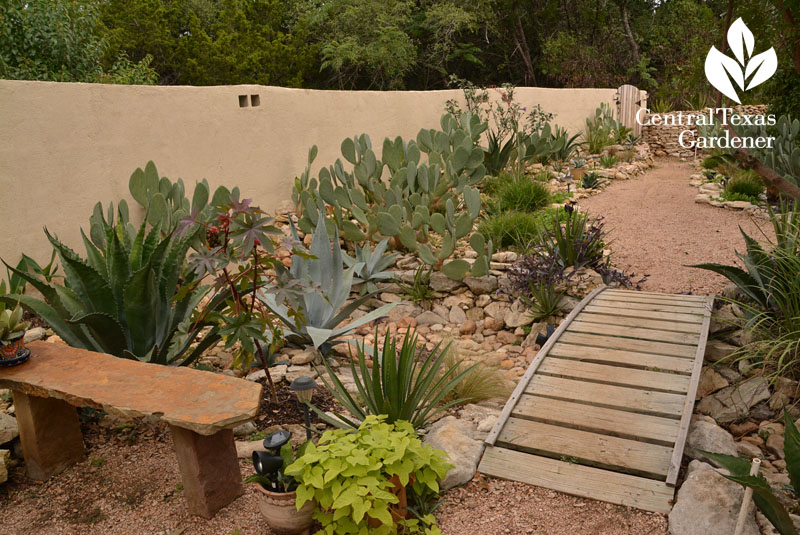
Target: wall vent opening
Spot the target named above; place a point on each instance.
(243, 103)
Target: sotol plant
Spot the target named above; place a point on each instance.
(423, 206)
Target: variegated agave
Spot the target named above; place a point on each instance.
(320, 312)
(373, 267)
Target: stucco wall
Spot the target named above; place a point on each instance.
(63, 147)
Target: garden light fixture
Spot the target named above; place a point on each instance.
(304, 387)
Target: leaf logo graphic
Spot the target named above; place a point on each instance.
(722, 70)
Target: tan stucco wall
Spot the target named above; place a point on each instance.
(63, 147)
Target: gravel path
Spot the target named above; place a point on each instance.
(135, 489)
(658, 229)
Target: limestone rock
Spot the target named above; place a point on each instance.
(455, 438)
(442, 283)
(294, 372)
(277, 373)
(245, 429)
(306, 357)
(31, 335)
(457, 315)
(517, 315)
(430, 318)
(481, 285)
(536, 330)
(245, 449)
(710, 382)
(717, 350)
(496, 310)
(8, 428)
(706, 435)
(708, 504)
(733, 402)
(5, 460)
(748, 449)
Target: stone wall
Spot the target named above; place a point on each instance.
(663, 140)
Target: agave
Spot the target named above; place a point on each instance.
(320, 312)
(122, 300)
(373, 267)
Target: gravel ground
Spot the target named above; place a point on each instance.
(135, 489)
(657, 229)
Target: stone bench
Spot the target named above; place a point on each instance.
(200, 407)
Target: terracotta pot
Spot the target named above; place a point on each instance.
(281, 513)
(399, 510)
(578, 172)
(9, 351)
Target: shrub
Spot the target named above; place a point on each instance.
(517, 229)
(401, 386)
(578, 242)
(763, 496)
(769, 286)
(522, 194)
(419, 289)
(354, 475)
(481, 383)
(599, 130)
(610, 160)
(745, 183)
(544, 176)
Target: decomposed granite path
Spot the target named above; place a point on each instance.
(657, 229)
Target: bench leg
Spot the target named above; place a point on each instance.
(209, 469)
(50, 434)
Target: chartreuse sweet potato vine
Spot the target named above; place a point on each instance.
(348, 474)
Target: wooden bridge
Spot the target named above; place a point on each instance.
(604, 409)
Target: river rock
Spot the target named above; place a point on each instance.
(456, 438)
(708, 504)
(735, 402)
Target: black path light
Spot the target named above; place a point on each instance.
(267, 463)
(304, 387)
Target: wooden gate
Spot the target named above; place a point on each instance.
(629, 100)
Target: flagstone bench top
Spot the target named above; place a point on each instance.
(201, 401)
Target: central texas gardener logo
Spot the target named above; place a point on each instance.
(721, 69)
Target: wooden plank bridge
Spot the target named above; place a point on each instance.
(604, 409)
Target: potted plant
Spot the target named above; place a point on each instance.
(12, 336)
(277, 491)
(360, 476)
(578, 168)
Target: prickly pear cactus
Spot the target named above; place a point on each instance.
(165, 202)
(421, 203)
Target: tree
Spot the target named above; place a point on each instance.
(56, 40)
(213, 42)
